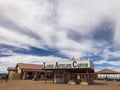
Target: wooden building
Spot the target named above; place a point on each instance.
(71, 72)
(27, 71)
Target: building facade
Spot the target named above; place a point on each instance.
(71, 72)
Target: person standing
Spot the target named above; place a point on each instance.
(6, 78)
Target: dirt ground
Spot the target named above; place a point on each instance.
(40, 85)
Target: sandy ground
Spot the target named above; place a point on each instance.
(40, 85)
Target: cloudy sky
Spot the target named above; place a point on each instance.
(33, 31)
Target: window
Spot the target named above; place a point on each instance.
(59, 74)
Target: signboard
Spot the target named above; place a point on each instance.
(69, 64)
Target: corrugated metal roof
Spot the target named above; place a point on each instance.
(11, 69)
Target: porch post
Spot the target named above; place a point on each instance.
(87, 77)
(91, 76)
(65, 78)
(35, 76)
(53, 76)
(84, 76)
(45, 75)
(24, 75)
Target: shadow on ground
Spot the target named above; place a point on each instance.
(96, 83)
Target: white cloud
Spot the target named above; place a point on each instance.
(5, 51)
(52, 20)
(85, 14)
(11, 61)
(18, 39)
(114, 63)
(79, 15)
(70, 53)
(100, 62)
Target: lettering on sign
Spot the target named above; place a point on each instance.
(57, 65)
(74, 64)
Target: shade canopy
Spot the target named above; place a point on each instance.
(107, 71)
